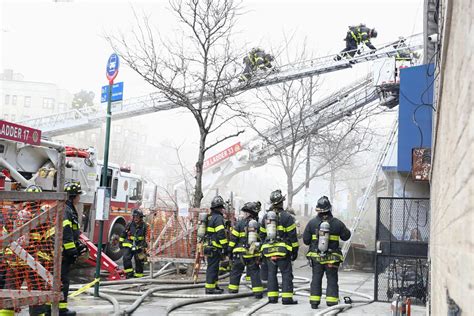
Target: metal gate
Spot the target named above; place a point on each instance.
(401, 260)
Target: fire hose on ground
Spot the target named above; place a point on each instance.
(193, 298)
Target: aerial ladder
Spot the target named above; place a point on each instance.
(92, 117)
(353, 97)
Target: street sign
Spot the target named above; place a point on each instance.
(112, 67)
(19, 133)
(117, 92)
(226, 153)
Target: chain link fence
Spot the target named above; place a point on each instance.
(402, 236)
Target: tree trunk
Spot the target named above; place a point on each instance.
(332, 186)
(308, 170)
(197, 196)
(289, 185)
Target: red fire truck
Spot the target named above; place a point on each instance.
(23, 164)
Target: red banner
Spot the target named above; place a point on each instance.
(226, 153)
(19, 133)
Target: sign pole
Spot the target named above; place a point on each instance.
(104, 184)
(112, 71)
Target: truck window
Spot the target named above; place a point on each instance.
(114, 188)
(109, 177)
(135, 190)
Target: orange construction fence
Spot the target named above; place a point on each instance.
(173, 235)
(30, 249)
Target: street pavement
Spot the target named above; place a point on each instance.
(362, 282)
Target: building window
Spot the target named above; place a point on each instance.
(13, 99)
(48, 103)
(13, 117)
(7, 99)
(27, 102)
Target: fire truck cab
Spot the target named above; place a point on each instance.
(23, 165)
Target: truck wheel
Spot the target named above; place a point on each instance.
(113, 250)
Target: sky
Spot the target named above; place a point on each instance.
(63, 43)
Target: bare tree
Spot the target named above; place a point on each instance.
(194, 70)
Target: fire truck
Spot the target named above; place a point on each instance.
(22, 165)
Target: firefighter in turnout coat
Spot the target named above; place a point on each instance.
(244, 247)
(215, 245)
(280, 248)
(322, 234)
(134, 244)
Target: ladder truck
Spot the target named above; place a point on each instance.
(22, 165)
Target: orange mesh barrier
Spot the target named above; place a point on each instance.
(173, 235)
(30, 249)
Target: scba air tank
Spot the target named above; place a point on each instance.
(323, 238)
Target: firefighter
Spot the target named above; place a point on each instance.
(256, 59)
(280, 248)
(322, 234)
(72, 248)
(216, 245)
(133, 244)
(355, 36)
(244, 247)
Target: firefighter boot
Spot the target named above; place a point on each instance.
(273, 300)
(259, 296)
(314, 305)
(289, 302)
(214, 291)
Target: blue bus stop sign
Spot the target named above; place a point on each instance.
(117, 93)
(112, 67)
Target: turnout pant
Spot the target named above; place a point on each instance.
(65, 271)
(128, 254)
(247, 70)
(284, 264)
(264, 269)
(332, 290)
(253, 271)
(351, 48)
(212, 271)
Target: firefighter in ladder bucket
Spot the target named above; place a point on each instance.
(322, 234)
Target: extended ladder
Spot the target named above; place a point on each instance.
(92, 117)
(373, 179)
